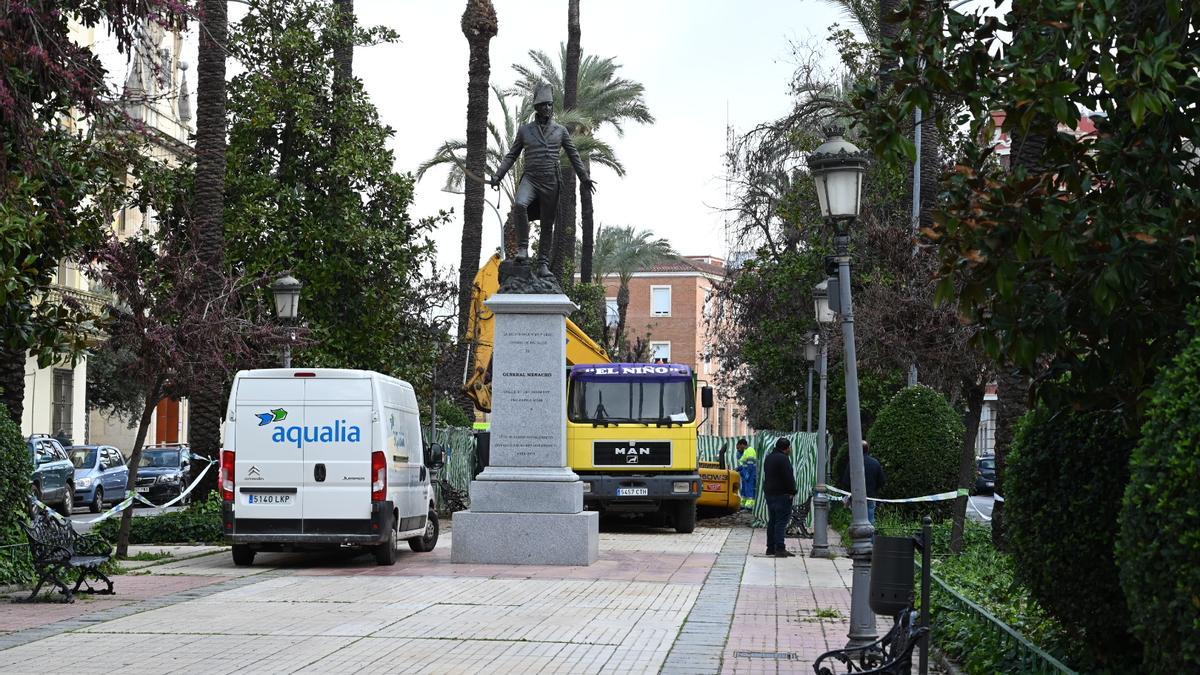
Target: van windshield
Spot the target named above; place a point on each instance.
(649, 401)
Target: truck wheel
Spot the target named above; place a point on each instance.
(385, 551)
(685, 517)
(243, 555)
(426, 542)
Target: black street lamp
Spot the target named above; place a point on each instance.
(286, 290)
(838, 167)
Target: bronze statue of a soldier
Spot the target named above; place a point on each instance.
(537, 195)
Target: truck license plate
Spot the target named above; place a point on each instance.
(268, 499)
(633, 492)
(714, 487)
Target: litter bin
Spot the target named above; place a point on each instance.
(891, 575)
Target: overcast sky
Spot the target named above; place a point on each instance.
(703, 62)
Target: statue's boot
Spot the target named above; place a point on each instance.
(543, 269)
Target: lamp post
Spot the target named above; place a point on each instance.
(837, 167)
(810, 355)
(286, 290)
(825, 315)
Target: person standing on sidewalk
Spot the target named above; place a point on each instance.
(748, 470)
(779, 489)
(875, 480)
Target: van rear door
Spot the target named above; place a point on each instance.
(268, 464)
(337, 447)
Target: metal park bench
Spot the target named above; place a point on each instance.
(798, 523)
(891, 654)
(58, 552)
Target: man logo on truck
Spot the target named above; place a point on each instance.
(338, 432)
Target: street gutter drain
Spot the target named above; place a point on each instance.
(777, 656)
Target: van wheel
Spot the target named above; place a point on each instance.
(426, 542)
(243, 555)
(685, 517)
(385, 551)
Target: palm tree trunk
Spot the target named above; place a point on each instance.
(966, 461)
(206, 405)
(12, 382)
(1012, 401)
(622, 309)
(343, 53)
(564, 230)
(479, 26)
(589, 231)
(887, 31)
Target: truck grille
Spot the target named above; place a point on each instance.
(636, 453)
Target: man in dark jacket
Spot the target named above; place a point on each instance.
(875, 480)
(779, 488)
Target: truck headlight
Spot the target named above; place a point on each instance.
(83, 483)
(587, 487)
(681, 486)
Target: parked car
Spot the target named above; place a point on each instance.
(163, 472)
(985, 475)
(53, 474)
(100, 475)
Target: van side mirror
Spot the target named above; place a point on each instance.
(706, 397)
(436, 456)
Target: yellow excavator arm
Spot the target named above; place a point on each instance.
(481, 329)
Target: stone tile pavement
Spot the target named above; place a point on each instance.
(655, 602)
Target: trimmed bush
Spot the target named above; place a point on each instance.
(1158, 550)
(15, 469)
(1066, 474)
(199, 523)
(917, 437)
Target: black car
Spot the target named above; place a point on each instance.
(163, 472)
(985, 475)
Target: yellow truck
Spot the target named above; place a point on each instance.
(632, 428)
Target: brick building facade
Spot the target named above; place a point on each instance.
(668, 305)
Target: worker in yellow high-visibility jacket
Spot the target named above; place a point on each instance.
(748, 469)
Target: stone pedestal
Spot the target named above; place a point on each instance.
(527, 506)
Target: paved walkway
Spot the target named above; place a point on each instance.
(655, 602)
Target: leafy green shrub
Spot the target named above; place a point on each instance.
(199, 523)
(1066, 474)
(1158, 549)
(592, 311)
(917, 437)
(15, 469)
(450, 415)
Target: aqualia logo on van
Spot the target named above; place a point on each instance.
(338, 432)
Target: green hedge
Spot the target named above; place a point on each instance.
(1066, 474)
(15, 469)
(199, 523)
(917, 438)
(1158, 549)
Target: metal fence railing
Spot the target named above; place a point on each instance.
(1020, 652)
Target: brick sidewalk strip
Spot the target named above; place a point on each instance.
(701, 642)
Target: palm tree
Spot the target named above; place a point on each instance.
(206, 406)
(604, 99)
(479, 26)
(624, 251)
(565, 234)
(500, 139)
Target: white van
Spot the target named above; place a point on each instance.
(322, 457)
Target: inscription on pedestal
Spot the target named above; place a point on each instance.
(528, 391)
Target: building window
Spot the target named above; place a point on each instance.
(61, 399)
(612, 313)
(660, 351)
(660, 301)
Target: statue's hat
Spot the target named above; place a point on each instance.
(543, 94)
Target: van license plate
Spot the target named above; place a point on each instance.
(633, 492)
(268, 499)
